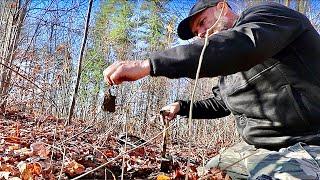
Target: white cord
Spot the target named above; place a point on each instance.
(195, 86)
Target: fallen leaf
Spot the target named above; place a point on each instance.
(192, 176)
(109, 153)
(26, 175)
(12, 139)
(73, 168)
(137, 152)
(50, 118)
(49, 176)
(23, 151)
(22, 166)
(9, 168)
(4, 175)
(36, 168)
(13, 147)
(46, 166)
(163, 177)
(29, 170)
(178, 173)
(40, 149)
(14, 178)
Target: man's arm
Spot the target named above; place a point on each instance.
(121, 71)
(204, 109)
(260, 33)
(211, 108)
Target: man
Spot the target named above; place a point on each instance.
(268, 61)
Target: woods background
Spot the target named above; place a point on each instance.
(39, 49)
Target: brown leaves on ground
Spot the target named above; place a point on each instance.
(9, 169)
(43, 148)
(40, 149)
(73, 168)
(29, 171)
(216, 174)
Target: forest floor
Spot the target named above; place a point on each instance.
(43, 148)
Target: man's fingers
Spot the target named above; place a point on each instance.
(117, 77)
(164, 112)
(171, 116)
(121, 71)
(108, 73)
(169, 112)
(118, 73)
(106, 77)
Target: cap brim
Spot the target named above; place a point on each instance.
(184, 31)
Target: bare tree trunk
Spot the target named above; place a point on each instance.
(84, 40)
(302, 5)
(11, 23)
(287, 3)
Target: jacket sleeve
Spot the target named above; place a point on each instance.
(205, 109)
(260, 33)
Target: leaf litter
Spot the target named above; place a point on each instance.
(43, 148)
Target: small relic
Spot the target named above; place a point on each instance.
(109, 102)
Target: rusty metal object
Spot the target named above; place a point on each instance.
(109, 102)
(166, 161)
(165, 133)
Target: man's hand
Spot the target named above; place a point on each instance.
(121, 71)
(170, 111)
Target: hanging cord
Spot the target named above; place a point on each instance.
(196, 83)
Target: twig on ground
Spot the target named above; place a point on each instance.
(125, 145)
(106, 169)
(63, 159)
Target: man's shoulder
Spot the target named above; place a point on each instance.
(267, 6)
(268, 10)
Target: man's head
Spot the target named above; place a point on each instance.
(203, 15)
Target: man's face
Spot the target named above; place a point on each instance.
(205, 19)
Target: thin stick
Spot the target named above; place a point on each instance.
(125, 146)
(62, 165)
(105, 170)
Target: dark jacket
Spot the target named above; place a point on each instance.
(269, 68)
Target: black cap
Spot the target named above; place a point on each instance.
(184, 31)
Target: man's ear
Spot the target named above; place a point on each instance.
(223, 6)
